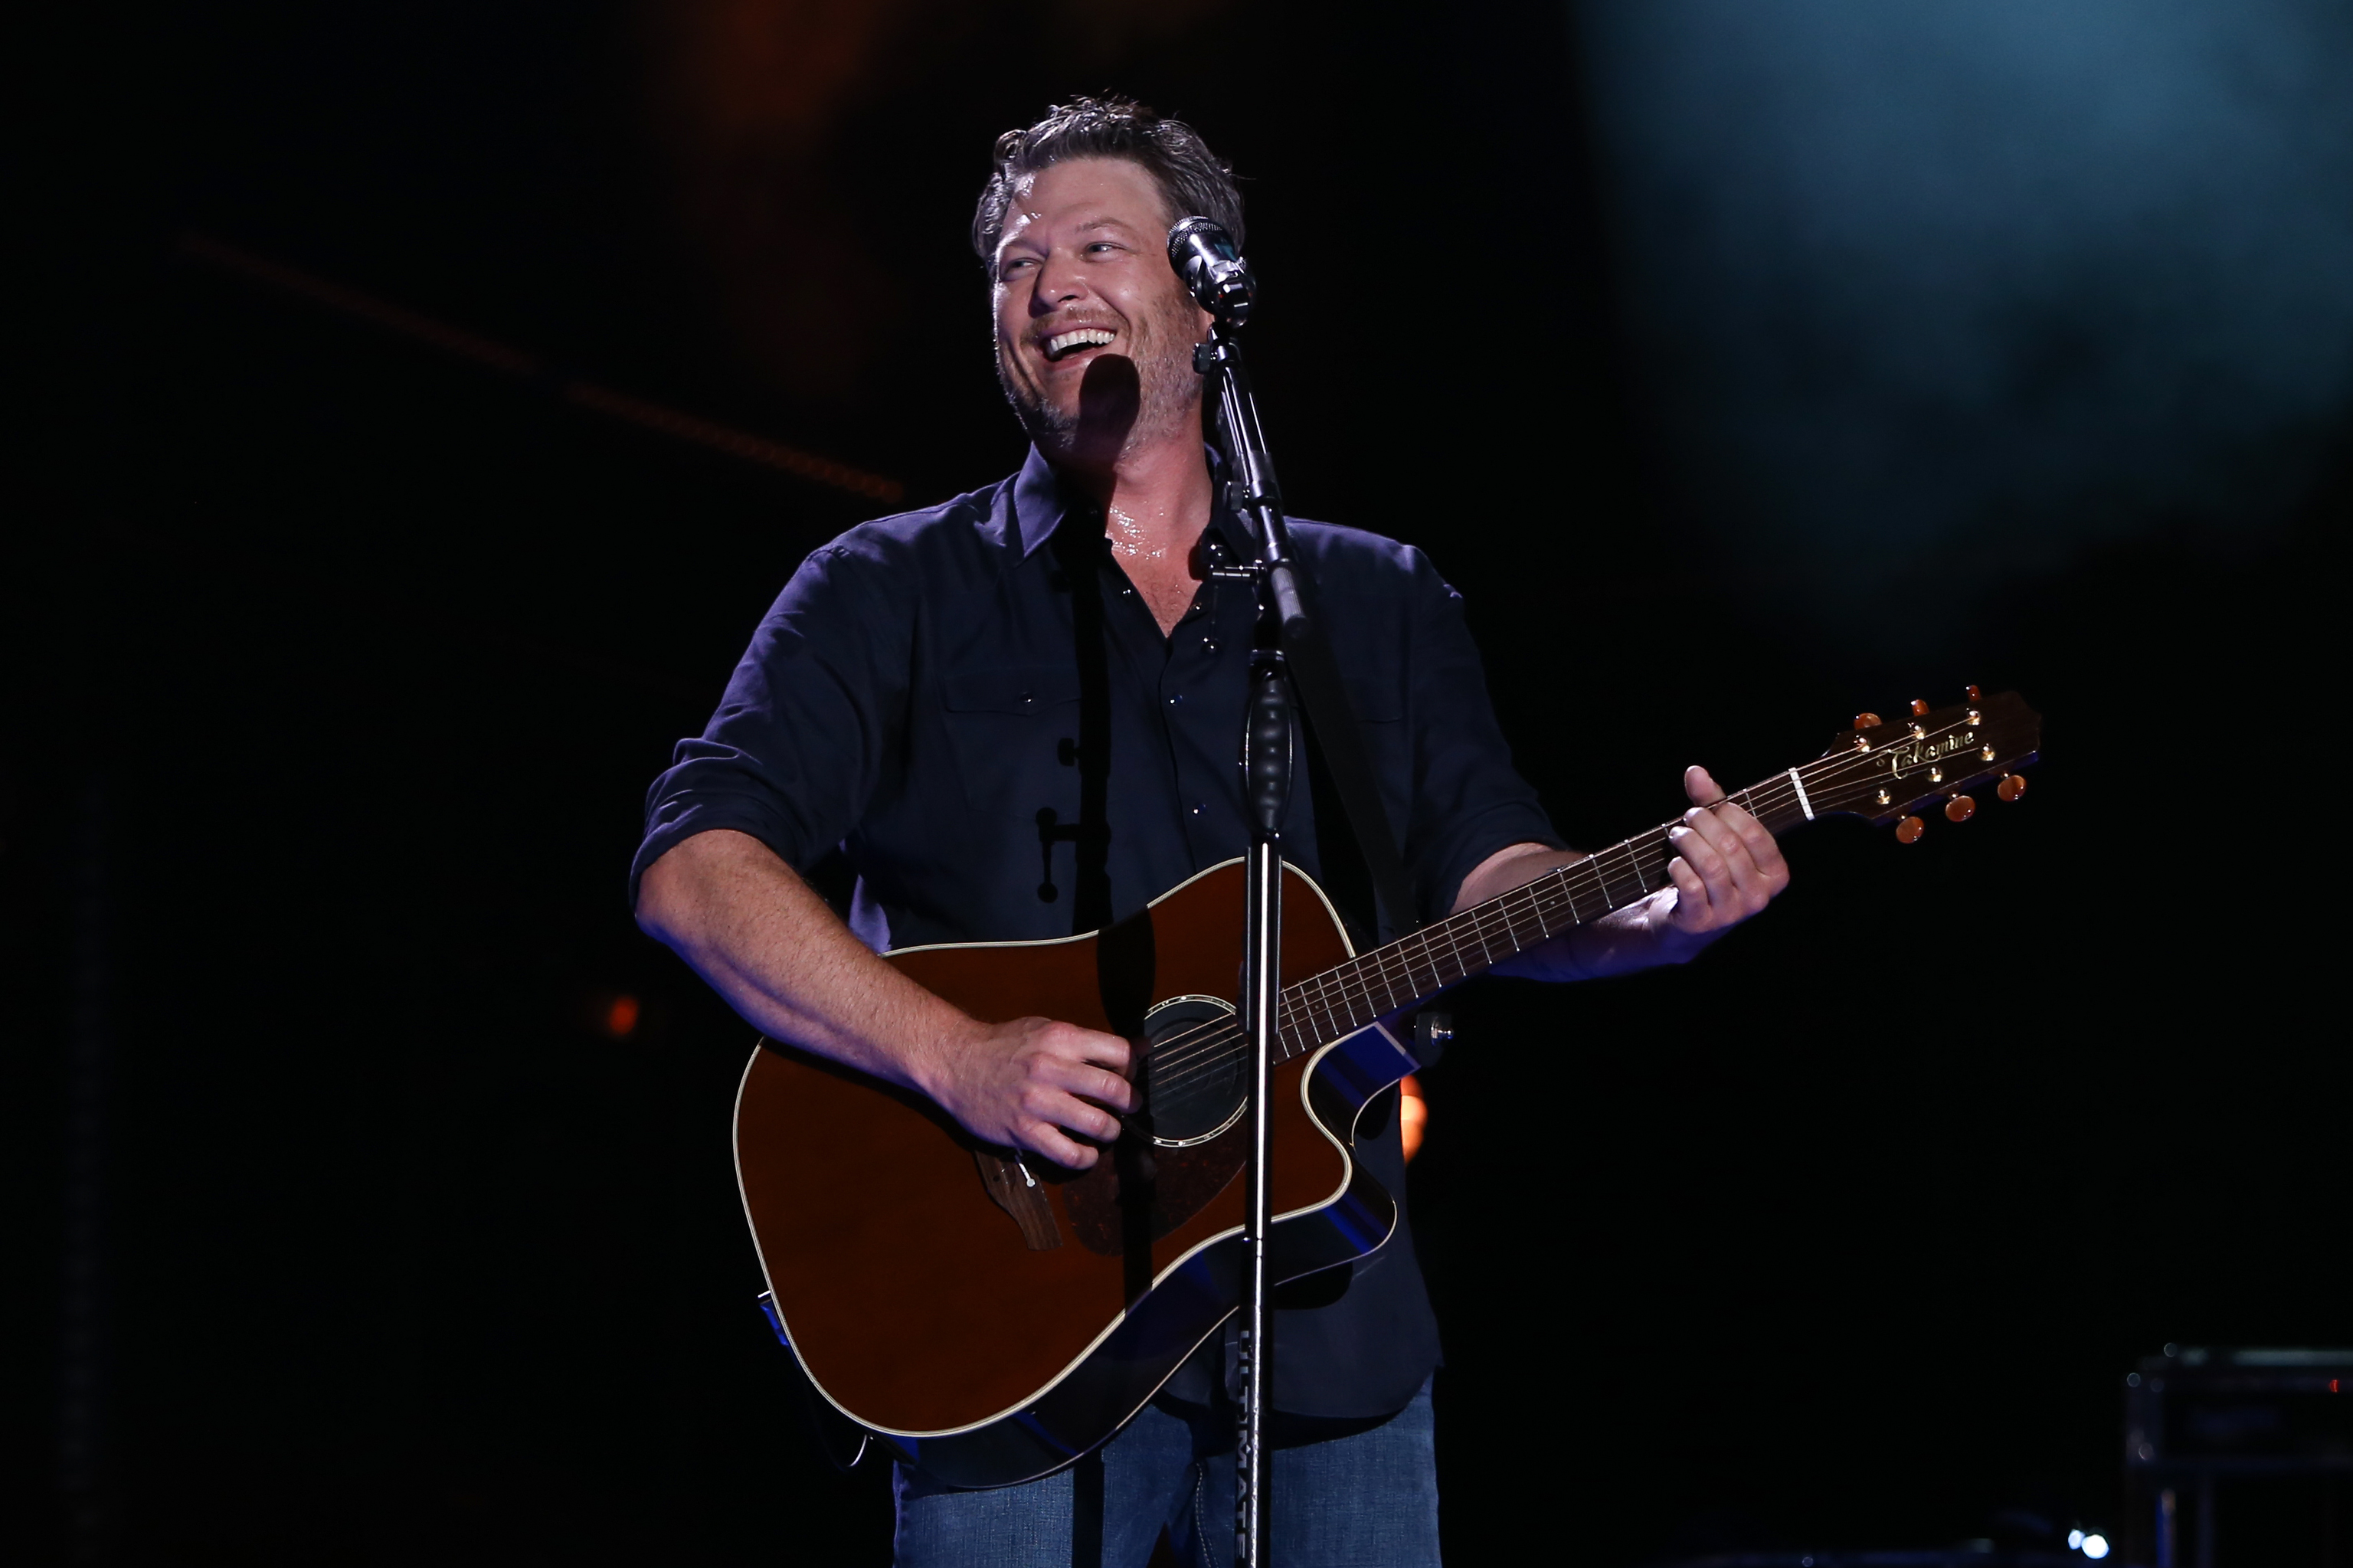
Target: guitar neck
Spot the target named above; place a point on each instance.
(1349, 996)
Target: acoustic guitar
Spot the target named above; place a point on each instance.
(991, 1316)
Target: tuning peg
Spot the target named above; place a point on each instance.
(1960, 808)
(2011, 788)
(1868, 721)
(1976, 695)
(1909, 829)
(1919, 707)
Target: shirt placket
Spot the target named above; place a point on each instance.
(1201, 652)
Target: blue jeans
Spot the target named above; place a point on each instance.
(1367, 1498)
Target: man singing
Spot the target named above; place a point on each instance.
(909, 700)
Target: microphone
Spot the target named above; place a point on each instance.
(1212, 268)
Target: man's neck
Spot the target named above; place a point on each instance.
(1156, 501)
(1155, 497)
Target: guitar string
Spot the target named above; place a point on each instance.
(1303, 1002)
(1602, 873)
(1334, 998)
(1330, 993)
(1326, 1007)
(1336, 994)
(1339, 992)
(1300, 1013)
(1392, 957)
(1322, 994)
(1604, 869)
(1594, 872)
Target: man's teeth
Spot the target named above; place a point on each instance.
(1061, 344)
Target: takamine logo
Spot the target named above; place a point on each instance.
(1922, 752)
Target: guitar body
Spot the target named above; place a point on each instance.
(994, 1318)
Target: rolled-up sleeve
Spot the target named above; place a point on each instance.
(806, 726)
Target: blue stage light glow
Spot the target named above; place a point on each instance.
(1977, 284)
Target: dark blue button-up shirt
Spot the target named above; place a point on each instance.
(917, 697)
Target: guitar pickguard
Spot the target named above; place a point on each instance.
(1181, 1184)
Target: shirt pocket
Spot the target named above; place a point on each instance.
(1024, 689)
(1006, 728)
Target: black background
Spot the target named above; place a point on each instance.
(336, 669)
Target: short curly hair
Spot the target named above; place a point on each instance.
(1192, 179)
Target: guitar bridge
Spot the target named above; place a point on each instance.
(1012, 1188)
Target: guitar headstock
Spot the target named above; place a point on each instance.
(1891, 772)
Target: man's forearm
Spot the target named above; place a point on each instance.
(752, 929)
(768, 943)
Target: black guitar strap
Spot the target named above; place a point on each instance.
(1336, 739)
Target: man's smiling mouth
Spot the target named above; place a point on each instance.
(1064, 343)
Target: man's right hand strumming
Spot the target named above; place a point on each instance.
(767, 942)
(1033, 1082)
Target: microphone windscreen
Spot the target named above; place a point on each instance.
(1212, 268)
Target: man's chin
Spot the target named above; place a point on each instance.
(1105, 422)
(1067, 436)
(1082, 448)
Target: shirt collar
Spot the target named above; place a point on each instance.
(1039, 506)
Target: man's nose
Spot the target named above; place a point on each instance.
(1059, 282)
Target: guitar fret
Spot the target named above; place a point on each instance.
(1404, 987)
(1337, 998)
(1407, 974)
(1579, 897)
(1564, 890)
(1538, 926)
(1632, 867)
(1342, 999)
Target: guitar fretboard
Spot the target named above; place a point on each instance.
(1349, 996)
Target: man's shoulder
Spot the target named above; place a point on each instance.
(961, 525)
(1335, 553)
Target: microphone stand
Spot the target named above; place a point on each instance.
(1268, 728)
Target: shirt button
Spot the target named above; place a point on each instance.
(1175, 700)
(1198, 809)
(1208, 645)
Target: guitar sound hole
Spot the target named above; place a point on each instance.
(1196, 1069)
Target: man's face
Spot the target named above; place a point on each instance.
(1094, 332)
